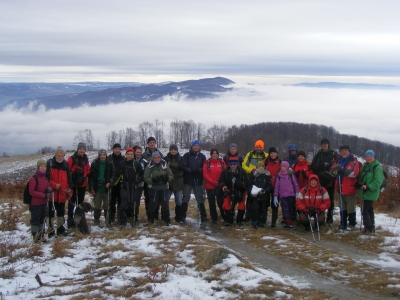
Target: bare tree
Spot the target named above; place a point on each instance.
(86, 137)
(145, 130)
(111, 139)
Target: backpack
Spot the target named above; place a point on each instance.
(27, 198)
(209, 163)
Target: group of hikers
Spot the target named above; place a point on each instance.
(243, 188)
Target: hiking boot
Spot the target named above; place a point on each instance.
(340, 227)
(255, 224)
(288, 226)
(350, 228)
(262, 225)
(273, 225)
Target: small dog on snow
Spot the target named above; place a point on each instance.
(80, 217)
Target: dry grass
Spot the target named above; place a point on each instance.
(211, 258)
(60, 248)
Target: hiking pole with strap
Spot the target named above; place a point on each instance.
(54, 224)
(341, 207)
(309, 222)
(108, 209)
(317, 221)
(362, 209)
(233, 198)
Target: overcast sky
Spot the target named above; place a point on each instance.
(152, 41)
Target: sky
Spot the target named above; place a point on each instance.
(154, 41)
(266, 43)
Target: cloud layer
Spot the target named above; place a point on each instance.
(366, 113)
(42, 40)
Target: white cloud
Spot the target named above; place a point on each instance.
(366, 113)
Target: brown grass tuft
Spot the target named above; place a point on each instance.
(60, 248)
(212, 258)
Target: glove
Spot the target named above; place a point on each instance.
(164, 178)
(155, 179)
(304, 173)
(290, 171)
(48, 192)
(275, 201)
(112, 184)
(297, 173)
(238, 183)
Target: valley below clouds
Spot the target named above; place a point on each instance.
(370, 113)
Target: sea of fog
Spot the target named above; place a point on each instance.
(370, 113)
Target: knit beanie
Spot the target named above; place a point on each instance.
(325, 141)
(233, 160)
(370, 152)
(259, 143)
(59, 150)
(102, 151)
(81, 145)
(129, 149)
(233, 145)
(151, 139)
(156, 154)
(301, 153)
(40, 162)
(285, 164)
(345, 147)
(117, 145)
(260, 164)
(195, 142)
(272, 149)
(173, 147)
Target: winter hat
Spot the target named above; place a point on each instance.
(233, 145)
(173, 147)
(370, 152)
(233, 160)
(285, 164)
(195, 142)
(325, 141)
(117, 145)
(292, 147)
(272, 149)
(260, 164)
(129, 149)
(81, 145)
(156, 154)
(102, 151)
(344, 147)
(40, 162)
(59, 150)
(301, 153)
(151, 139)
(259, 143)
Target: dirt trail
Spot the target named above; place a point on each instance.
(285, 267)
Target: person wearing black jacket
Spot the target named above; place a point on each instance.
(177, 166)
(193, 179)
(259, 188)
(116, 157)
(321, 164)
(233, 184)
(130, 173)
(100, 176)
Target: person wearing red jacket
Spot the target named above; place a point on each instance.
(346, 169)
(212, 170)
(312, 200)
(272, 163)
(61, 183)
(38, 189)
(80, 168)
(301, 169)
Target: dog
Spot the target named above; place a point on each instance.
(80, 217)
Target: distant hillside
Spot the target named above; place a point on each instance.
(307, 137)
(338, 85)
(192, 89)
(21, 90)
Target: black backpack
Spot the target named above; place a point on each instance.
(27, 196)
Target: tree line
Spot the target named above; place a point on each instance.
(279, 134)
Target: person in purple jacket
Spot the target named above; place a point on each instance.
(40, 191)
(285, 191)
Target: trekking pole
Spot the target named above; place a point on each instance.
(317, 221)
(309, 222)
(362, 209)
(54, 224)
(196, 186)
(341, 207)
(108, 209)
